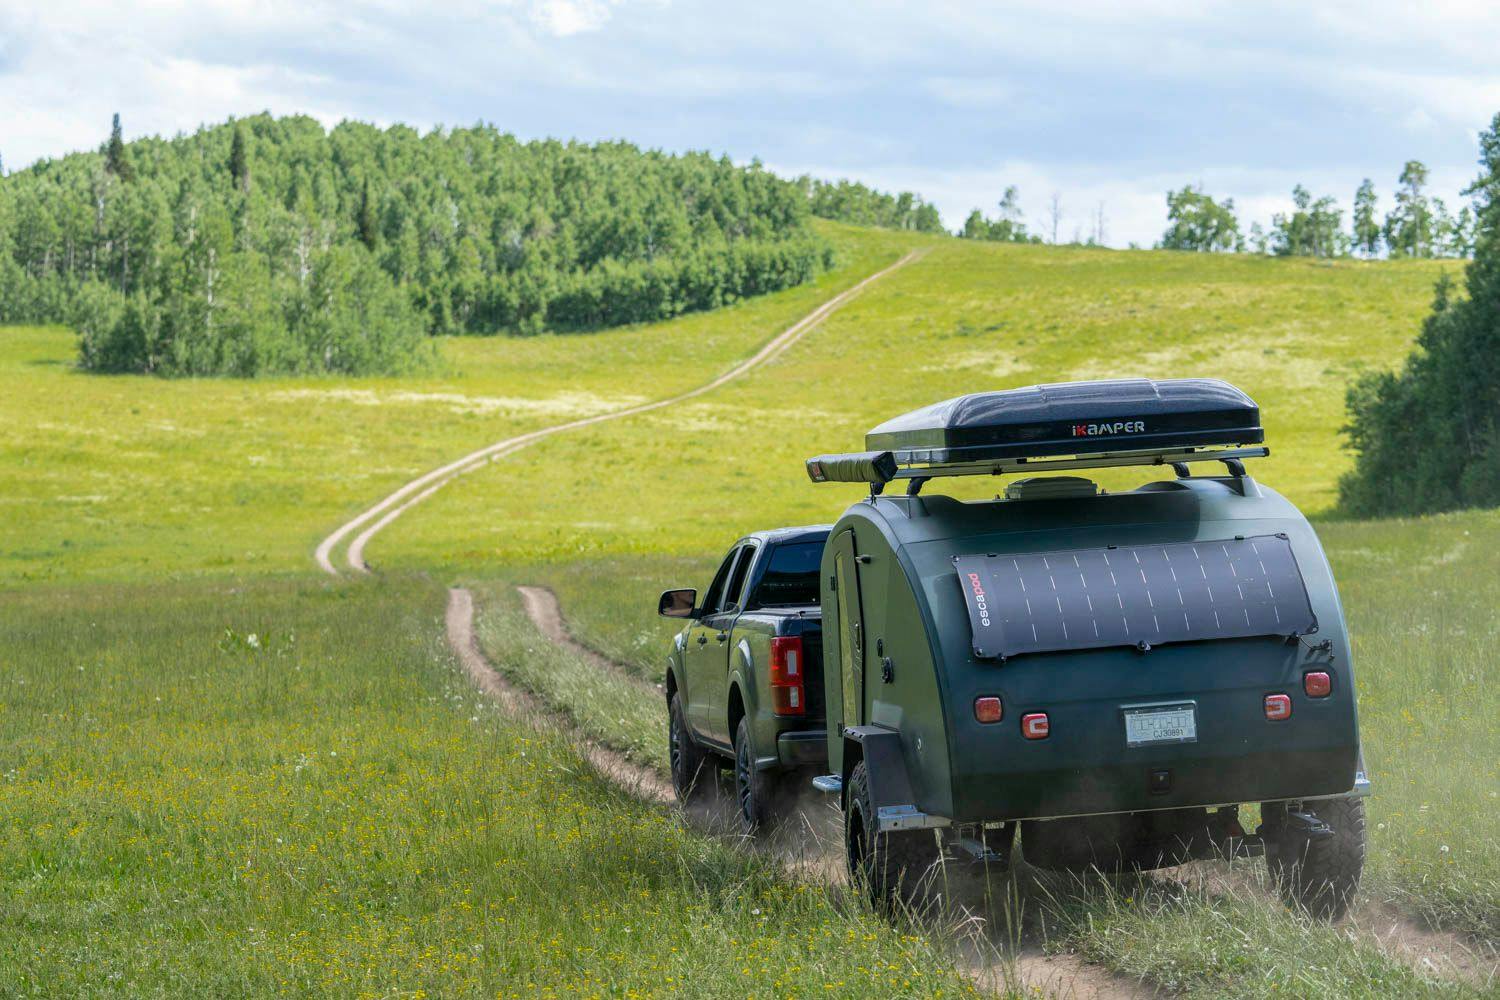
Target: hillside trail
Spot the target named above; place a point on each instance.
(380, 516)
(812, 848)
(1429, 952)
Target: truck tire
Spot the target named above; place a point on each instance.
(1324, 878)
(691, 776)
(756, 793)
(888, 868)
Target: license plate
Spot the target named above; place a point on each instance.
(1152, 724)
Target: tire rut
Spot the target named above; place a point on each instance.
(1030, 969)
(637, 779)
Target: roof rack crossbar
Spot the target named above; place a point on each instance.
(862, 467)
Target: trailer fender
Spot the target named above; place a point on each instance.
(885, 775)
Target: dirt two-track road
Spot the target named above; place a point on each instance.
(376, 518)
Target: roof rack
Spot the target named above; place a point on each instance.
(1072, 425)
(880, 467)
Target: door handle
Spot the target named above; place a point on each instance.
(722, 636)
(702, 639)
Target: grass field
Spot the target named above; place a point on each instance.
(286, 787)
(118, 477)
(440, 849)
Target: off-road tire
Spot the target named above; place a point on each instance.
(889, 868)
(1325, 880)
(757, 797)
(692, 777)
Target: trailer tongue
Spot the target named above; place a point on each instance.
(1113, 674)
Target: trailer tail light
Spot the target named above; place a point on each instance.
(1278, 707)
(988, 709)
(1317, 684)
(788, 690)
(1034, 726)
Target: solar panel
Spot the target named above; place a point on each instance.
(1038, 602)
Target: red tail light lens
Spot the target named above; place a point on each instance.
(1278, 707)
(1317, 684)
(1034, 726)
(788, 691)
(988, 709)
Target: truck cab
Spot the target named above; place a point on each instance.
(744, 676)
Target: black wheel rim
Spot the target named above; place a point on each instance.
(742, 777)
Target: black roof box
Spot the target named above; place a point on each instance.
(1073, 418)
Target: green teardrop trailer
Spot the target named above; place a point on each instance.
(1109, 674)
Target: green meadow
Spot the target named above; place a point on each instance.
(330, 809)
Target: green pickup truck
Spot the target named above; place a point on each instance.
(745, 674)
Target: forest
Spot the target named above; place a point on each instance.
(267, 244)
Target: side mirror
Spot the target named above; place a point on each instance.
(677, 604)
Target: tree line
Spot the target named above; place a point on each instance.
(1009, 226)
(850, 201)
(271, 245)
(1418, 224)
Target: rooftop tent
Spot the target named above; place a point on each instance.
(1073, 418)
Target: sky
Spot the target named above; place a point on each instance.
(1104, 104)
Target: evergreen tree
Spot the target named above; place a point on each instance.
(1428, 438)
(1366, 234)
(1197, 222)
(116, 160)
(239, 158)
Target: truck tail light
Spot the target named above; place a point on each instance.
(1034, 726)
(1317, 684)
(988, 709)
(1278, 707)
(788, 690)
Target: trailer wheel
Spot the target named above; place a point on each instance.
(755, 792)
(691, 778)
(887, 867)
(1321, 875)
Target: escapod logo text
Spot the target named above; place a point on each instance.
(1118, 427)
(981, 604)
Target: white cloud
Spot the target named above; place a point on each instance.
(570, 17)
(1101, 100)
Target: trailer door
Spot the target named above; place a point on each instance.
(848, 632)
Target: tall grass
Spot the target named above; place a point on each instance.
(259, 787)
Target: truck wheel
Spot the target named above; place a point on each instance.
(691, 777)
(1322, 877)
(755, 792)
(887, 867)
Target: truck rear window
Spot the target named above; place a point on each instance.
(791, 576)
